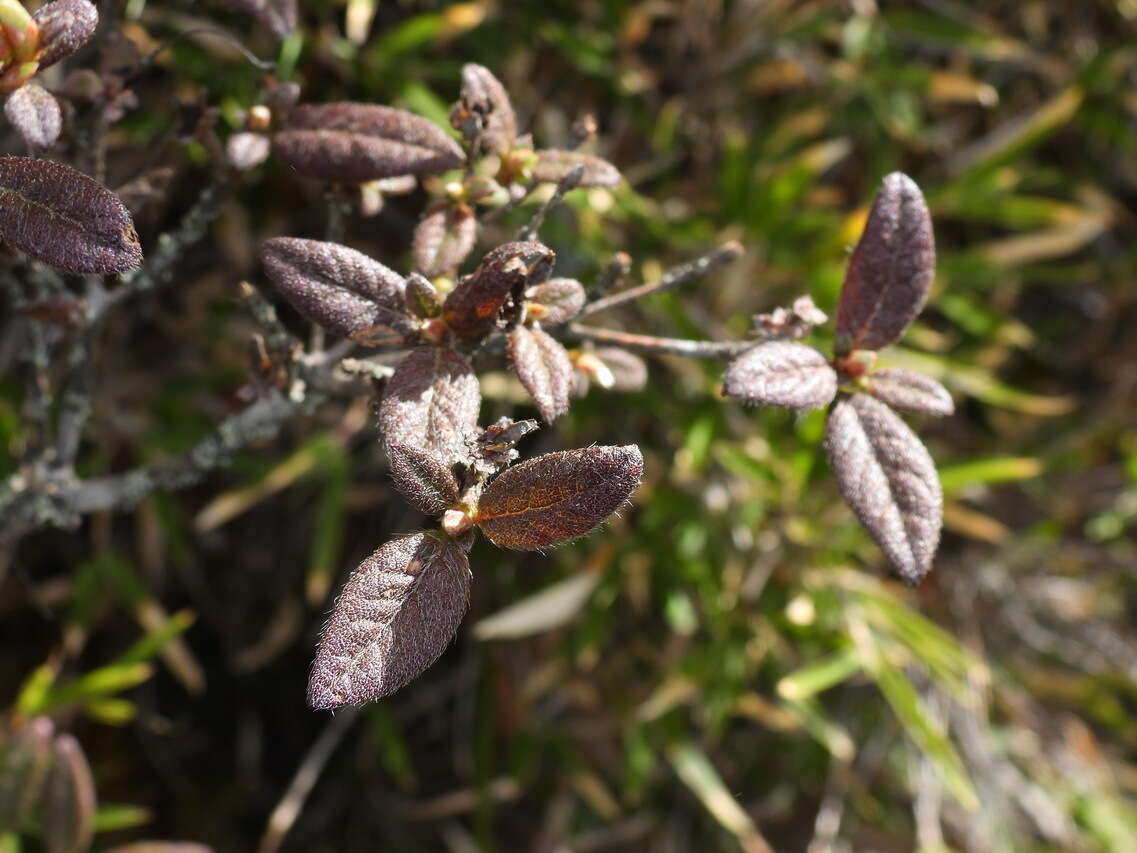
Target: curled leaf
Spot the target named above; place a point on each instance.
(544, 368)
(443, 239)
(35, 114)
(556, 301)
(353, 143)
(910, 391)
(781, 373)
(558, 496)
(890, 271)
(65, 219)
(484, 110)
(427, 484)
(889, 481)
(553, 165)
(64, 27)
(69, 800)
(396, 615)
(247, 150)
(473, 306)
(431, 402)
(339, 288)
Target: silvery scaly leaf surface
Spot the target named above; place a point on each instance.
(556, 301)
(909, 391)
(781, 373)
(443, 239)
(34, 113)
(553, 165)
(64, 27)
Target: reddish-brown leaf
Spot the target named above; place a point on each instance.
(888, 479)
(64, 27)
(443, 239)
(431, 402)
(353, 143)
(473, 306)
(427, 484)
(339, 288)
(69, 800)
(556, 301)
(544, 368)
(247, 150)
(909, 391)
(553, 165)
(558, 496)
(781, 373)
(485, 99)
(35, 114)
(890, 271)
(396, 615)
(65, 219)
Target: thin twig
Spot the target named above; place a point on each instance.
(663, 346)
(565, 185)
(613, 274)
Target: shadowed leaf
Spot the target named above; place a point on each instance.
(888, 479)
(25, 759)
(68, 800)
(890, 271)
(781, 373)
(426, 484)
(544, 368)
(558, 496)
(473, 306)
(432, 402)
(278, 16)
(553, 165)
(247, 150)
(485, 101)
(443, 239)
(353, 143)
(909, 391)
(65, 219)
(556, 301)
(396, 615)
(64, 27)
(35, 114)
(339, 288)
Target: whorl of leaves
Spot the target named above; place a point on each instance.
(68, 799)
(890, 271)
(443, 239)
(484, 98)
(544, 368)
(432, 401)
(781, 373)
(889, 481)
(64, 27)
(278, 16)
(558, 496)
(473, 306)
(396, 615)
(556, 301)
(428, 486)
(26, 756)
(553, 165)
(247, 150)
(353, 143)
(909, 391)
(339, 288)
(65, 219)
(35, 114)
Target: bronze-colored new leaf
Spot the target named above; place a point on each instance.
(890, 271)
(485, 100)
(65, 219)
(781, 373)
(888, 479)
(64, 27)
(544, 368)
(353, 143)
(35, 114)
(339, 288)
(26, 755)
(558, 496)
(432, 401)
(428, 485)
(473, 306)
(443, 239)
(553, 165)
(68, 800)
(909, 391)
(556, 301)
(396, 615)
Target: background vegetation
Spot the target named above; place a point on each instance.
(729, 661)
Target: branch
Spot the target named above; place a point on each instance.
(661, 346)
(565, 185)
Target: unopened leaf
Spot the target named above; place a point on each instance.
(443, 239)
(485, 102)
(426, 483)
(558, 496)
(553, 165)
(909, 391)
(473, 306)
(544, 368)
(556, 301)
(394, 618)
(888, 479)
(69, 800)
(781, 373)
(35, 114)
(65, 219)
(64, 27)
(890, 271)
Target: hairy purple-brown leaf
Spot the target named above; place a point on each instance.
(279, 17)
(888, 479)
(544, 368)
(339, 288)
(68, 800)
(553, 165)
(484, 98)
(890, 271)
(443, 239)
(353, 143)
(396, 615)
(781, 373)
(473, 306)
(558, 496)
(432, 401)
(909, 391)
(64, 27)
(247, 150)
(65, 219)
(556, 301)
(35, 114)
(25, 759)
(427, 484)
